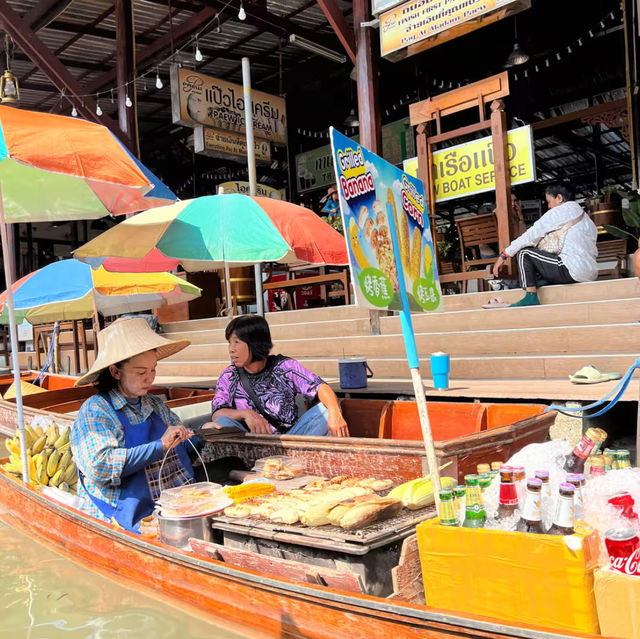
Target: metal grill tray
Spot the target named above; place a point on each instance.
(356, 542)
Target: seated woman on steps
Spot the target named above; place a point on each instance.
(257, 392)
(569, 236)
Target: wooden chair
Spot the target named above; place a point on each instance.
(612, 251)
(473, 231)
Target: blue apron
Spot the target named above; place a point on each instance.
(135, 501)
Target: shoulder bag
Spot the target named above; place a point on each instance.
(553, 242)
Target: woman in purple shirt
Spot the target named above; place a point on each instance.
(257, 392)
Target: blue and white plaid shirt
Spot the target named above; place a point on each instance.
(97, 443)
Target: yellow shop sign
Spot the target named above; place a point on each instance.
(468, 169)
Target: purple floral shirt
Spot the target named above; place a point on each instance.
(276, 385)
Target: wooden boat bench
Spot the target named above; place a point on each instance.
(277, 567)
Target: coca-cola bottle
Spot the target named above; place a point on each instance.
(531, 520)
(565, 514)
(575, 462)
(508, 500)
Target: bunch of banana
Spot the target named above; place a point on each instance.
(50, 458)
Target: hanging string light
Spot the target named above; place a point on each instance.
(74, 112)
(198, 55)
(159, 83)
(127, 101)
(98, 109)
(241, 13)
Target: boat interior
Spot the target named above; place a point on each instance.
(367, 418)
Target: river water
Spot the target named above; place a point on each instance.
(43, 595)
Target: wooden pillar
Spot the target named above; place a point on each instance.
(17, 262)
(503, 179)
(367, 55)
(631, 19)
(30, 260)
(425, 160)
(125, 73)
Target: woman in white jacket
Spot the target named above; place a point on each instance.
(576, 262)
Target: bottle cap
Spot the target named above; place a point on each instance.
(496, 465)
(542, 474)
(569, 488)
(483, 468)
(534, 482)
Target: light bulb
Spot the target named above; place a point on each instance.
(74, 112)
(242, 14)
(159, 84)
(128, 102)
(198, 55)
(98, 109)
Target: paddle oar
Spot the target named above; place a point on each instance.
(414, 362)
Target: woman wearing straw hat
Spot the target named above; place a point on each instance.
(122, 434)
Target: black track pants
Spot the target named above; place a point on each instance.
(534, 265)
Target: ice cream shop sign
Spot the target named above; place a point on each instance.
(201, 99)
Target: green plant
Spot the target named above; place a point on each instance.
(444, 249)
(619, 233)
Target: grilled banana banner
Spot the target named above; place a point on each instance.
(367, 184)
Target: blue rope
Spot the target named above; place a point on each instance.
(49, 358)
(617, 392)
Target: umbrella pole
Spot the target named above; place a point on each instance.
(251, 164)
(13, 335)
(414, 364)
(227, 289)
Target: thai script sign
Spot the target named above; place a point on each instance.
(467, 169)
(200, 99)
(245, 189)
(225, 144)
(371, 190)
(420, 19)
(314, 169)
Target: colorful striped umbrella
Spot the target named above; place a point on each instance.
(59, 168)
(70, 290)
(211, 231)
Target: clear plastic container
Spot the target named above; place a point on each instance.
(278, 467)
(191, 500)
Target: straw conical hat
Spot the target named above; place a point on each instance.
(126, 338)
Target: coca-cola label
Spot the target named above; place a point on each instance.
(627, 565)
(584, 447)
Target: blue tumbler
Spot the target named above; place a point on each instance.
(440, 370)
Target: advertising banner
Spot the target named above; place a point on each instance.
(467, 169)
(418, 20)
(370, 190)
(200, 99)
(227, 145)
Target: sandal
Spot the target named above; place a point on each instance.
(591, 375)
(496, 302)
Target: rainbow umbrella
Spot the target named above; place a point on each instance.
(216, 230)
(70, 290)
(58, 168)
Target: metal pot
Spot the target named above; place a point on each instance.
(176, 531)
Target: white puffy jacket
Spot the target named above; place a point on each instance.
(579, 251)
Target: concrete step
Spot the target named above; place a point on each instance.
(562, 293)
(335, 328)
(549, 366)
(283, 317)
(565, 314)
(565, 339)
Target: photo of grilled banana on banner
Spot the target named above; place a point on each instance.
(48, 455)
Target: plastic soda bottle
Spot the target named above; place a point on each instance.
(475, 515)
(564, 517)
(624, 459)
(448, 515)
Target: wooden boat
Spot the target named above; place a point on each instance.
(49, 381)
(384, 433)
(279, 605)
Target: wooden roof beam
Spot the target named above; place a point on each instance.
(42, 57)
(153, 53)
(340, 27)
(43, 12)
